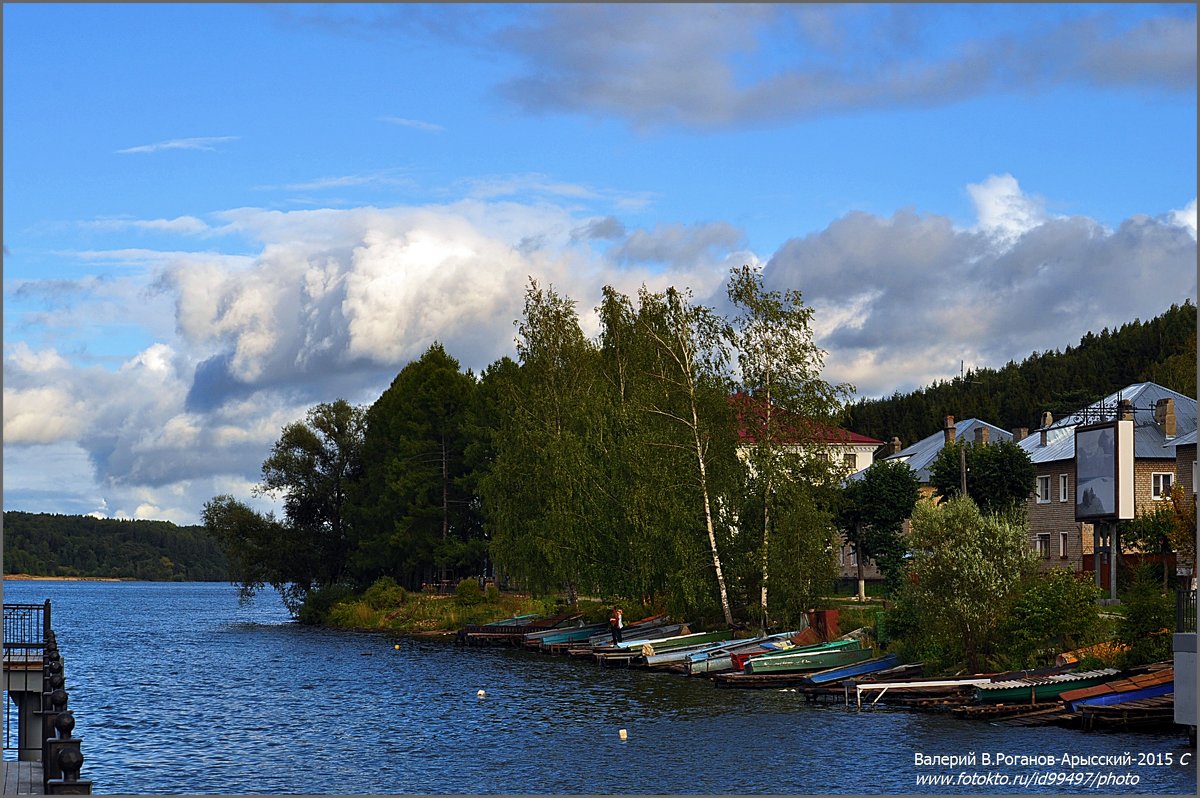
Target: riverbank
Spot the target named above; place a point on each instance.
(36, 578)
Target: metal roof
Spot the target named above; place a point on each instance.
(921, 454)
(1148, 440)
(1182, 440)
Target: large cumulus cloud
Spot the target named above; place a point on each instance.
(902, 300)
(316, 305)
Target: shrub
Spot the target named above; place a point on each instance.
(1148, 620)
(317, 603)
(1054, 612)
(468, 592)
(492, 594)
(385, 594)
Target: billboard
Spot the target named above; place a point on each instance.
(1104, 471)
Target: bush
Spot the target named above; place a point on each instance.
(385, 594)
(492, 594)
(468, 592)
(1054, 612)
(318, 603)
(1148, 620)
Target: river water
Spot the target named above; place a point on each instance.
(178, 689)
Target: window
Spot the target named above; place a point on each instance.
(842, 555)
(1043, 490)
(1043, 544)
(1062, 544)
(850, 461)
(1062, 487)
(1160, 486)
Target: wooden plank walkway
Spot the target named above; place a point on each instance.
(22, 778)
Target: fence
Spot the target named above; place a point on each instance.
(26, 630)
(1185, 611)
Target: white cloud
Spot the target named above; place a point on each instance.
(180, 225)
(1185, 217)
(718, 65)
(204, 143)
(39, 415)
(1003, 210)
(416, 124)
(332, 303)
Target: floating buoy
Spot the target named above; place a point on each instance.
(624, 735)
(397, 646)
(480, 694)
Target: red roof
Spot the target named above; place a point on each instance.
(750, 415)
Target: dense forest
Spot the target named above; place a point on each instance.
(1162, 350)
(78, 545)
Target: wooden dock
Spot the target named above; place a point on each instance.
(22, 778)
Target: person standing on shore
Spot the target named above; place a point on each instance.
(616, 623)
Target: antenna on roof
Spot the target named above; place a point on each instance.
(962, 374)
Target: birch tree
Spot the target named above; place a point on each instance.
(789, 404)
(687, 367)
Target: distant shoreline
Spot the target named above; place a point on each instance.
(32, 578)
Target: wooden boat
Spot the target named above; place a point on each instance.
(662, 645)
(1133, 683)
(1110, 699)
(678, 655)
(837, 674)
(548, 637)
(720, 658)
(740, 661)
(1038, 689)
(778, 648)
(807, 660)
(1154, 712)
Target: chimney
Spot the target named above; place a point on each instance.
(948, 430)
(1020, 433)
(981, 436)
(1164, 417)
(894, 446)
(1043, 436)
(1125, 410)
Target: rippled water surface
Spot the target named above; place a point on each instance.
(178, 689)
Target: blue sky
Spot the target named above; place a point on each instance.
(218, 215)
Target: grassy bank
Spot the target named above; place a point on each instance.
(388, 607)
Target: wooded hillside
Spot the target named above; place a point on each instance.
(73, 545)
(1162, 350)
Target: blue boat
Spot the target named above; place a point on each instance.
(1109, 699)
(854, 669)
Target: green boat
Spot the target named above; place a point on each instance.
(1035, 690)
(808, 660)
(652, 647)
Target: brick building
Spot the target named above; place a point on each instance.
(1160, 416)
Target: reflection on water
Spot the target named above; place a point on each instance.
(178, 689)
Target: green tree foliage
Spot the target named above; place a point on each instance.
(42, 544)
(965, 568)
(999, 474)
(1052, 613)
(872, 513)
(1151, 531)
(1148, 620)
(790, 405)
(1162, 350)
(683, 415)
(413, 514)
(545, 490)
(303, 557)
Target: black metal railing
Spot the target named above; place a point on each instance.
(1185, 611)
(26, 630)
(26, 626)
